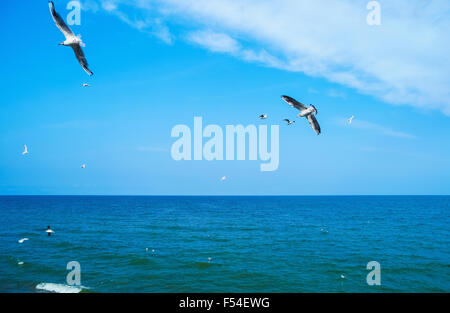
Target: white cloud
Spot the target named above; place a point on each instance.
(216, 42)
(109, 5)
(403, 61)
(147, 22)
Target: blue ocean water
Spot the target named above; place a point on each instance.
(226, 244)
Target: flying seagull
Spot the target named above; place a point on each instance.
(86, 85)
(223, 178)
(350, 120)
(288, 121)
(71, 40)
(309, 113)
(263, 116)
(83, 165)
(22, 240)
(25, 150)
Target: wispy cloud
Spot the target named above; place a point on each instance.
(146, 22)
(152, 149)
(333, 93)
(376, 128)
(403, 61)
(222, 42)
(216, 42)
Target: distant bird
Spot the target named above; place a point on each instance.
(49, 231)
(20, 263)
(22, 240)
(288, 121)
(25, 150)
(83, 165)
(342, 276)
(263, 116)
(71, 40)
(223, 178)
(310, 113)
(86, 85)
(209, 260)
(350, 120)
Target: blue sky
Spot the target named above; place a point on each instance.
(159, 63)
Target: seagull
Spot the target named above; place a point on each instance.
(20, 263)
(209, 260)
(342, 276)
(310, 113)
(71, 40)
(83, 165)
(49, 231)
(263, 116)
(223, 178)
(25, 150)
(350, 120)
(22, 240)
(86, 85)
(288, 121)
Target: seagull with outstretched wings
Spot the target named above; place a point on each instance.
(308, 112)
(71, 40)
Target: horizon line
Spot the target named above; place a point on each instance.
(170, 195)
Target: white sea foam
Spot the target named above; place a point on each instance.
(59, 288)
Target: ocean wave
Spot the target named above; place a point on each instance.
(59, 288)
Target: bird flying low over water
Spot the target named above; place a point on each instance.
(263, 116)
(25, 150)
(71, 40)
(224, 178)
(49, 231)
(86, 85)
(289, 122)
(350, 120)
(309, 113)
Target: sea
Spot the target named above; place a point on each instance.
(146, 244)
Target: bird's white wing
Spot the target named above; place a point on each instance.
(294, 103)
(60, 22)
(81, 58)
(313, 122)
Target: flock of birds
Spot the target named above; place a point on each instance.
(308, 112)
(75, 42)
